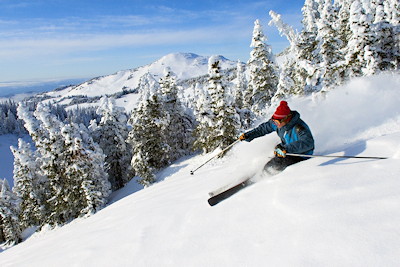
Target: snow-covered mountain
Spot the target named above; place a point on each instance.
(320, 212)
(123, 84)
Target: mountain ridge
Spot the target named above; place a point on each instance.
(125, 82)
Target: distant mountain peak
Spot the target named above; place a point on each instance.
(183, 65)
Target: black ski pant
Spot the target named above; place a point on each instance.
(278, 164)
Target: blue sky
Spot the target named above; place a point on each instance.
(59, 39)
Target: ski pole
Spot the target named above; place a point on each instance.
(225, 149)
(325, 156)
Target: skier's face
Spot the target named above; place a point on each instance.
(282, 122)
(279, 123)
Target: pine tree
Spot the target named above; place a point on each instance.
(10, 232)
(332, 65)
(70, 162)
(87, 186)
(225, 121)
(111, 134)
(343, 35)
(291, 81)
(240, 85)
(50, 146)
(8, 117)
(359, 25)
(342, 24)
(179, 131)
(383, 48)
(263, 71)
(218, 121)
(29, 186)
(204, 116)
(150, 147)
(392, 8)
(286, 30)
(286, 84)
(38, 134)
(243, 98)
(307, 69)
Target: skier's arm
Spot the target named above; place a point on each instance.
(261, 130)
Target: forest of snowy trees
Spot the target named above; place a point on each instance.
(9, 119)
(77, 158)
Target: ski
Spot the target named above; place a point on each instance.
(225, 192)
(226, 187)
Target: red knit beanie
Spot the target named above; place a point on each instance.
(281, 111)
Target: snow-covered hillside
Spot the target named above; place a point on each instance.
(320, 212)
(184, 65)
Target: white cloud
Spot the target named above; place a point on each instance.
(22, 47)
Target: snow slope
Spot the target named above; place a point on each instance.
(320, 212)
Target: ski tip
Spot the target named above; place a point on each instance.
(191, 172)
(212, 202)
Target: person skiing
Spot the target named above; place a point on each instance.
(294, 133)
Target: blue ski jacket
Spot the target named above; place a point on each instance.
(295, 136)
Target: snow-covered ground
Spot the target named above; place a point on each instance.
(320, 212)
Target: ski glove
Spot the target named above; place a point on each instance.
(242, 137)
(280, 151)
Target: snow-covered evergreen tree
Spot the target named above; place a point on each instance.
(286, 84)
(38, 134)
(340, 39)
(87, 187)
(150, 147)
(10, 232)
(8, 117)
(204, 116)
(243, 98)
(342, 25)
(179, 131)
(50, 145)
(111, 135)
(290, 82)
(225, 121)
(63, 151)
(307, 70)
(29, 186)
(83, 115)
(383, 49)
(332, 58)
(393, 8)
(285, 30)
(263, 79)
(241, 85)
(359, 25)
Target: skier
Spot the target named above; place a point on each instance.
(294, 133)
